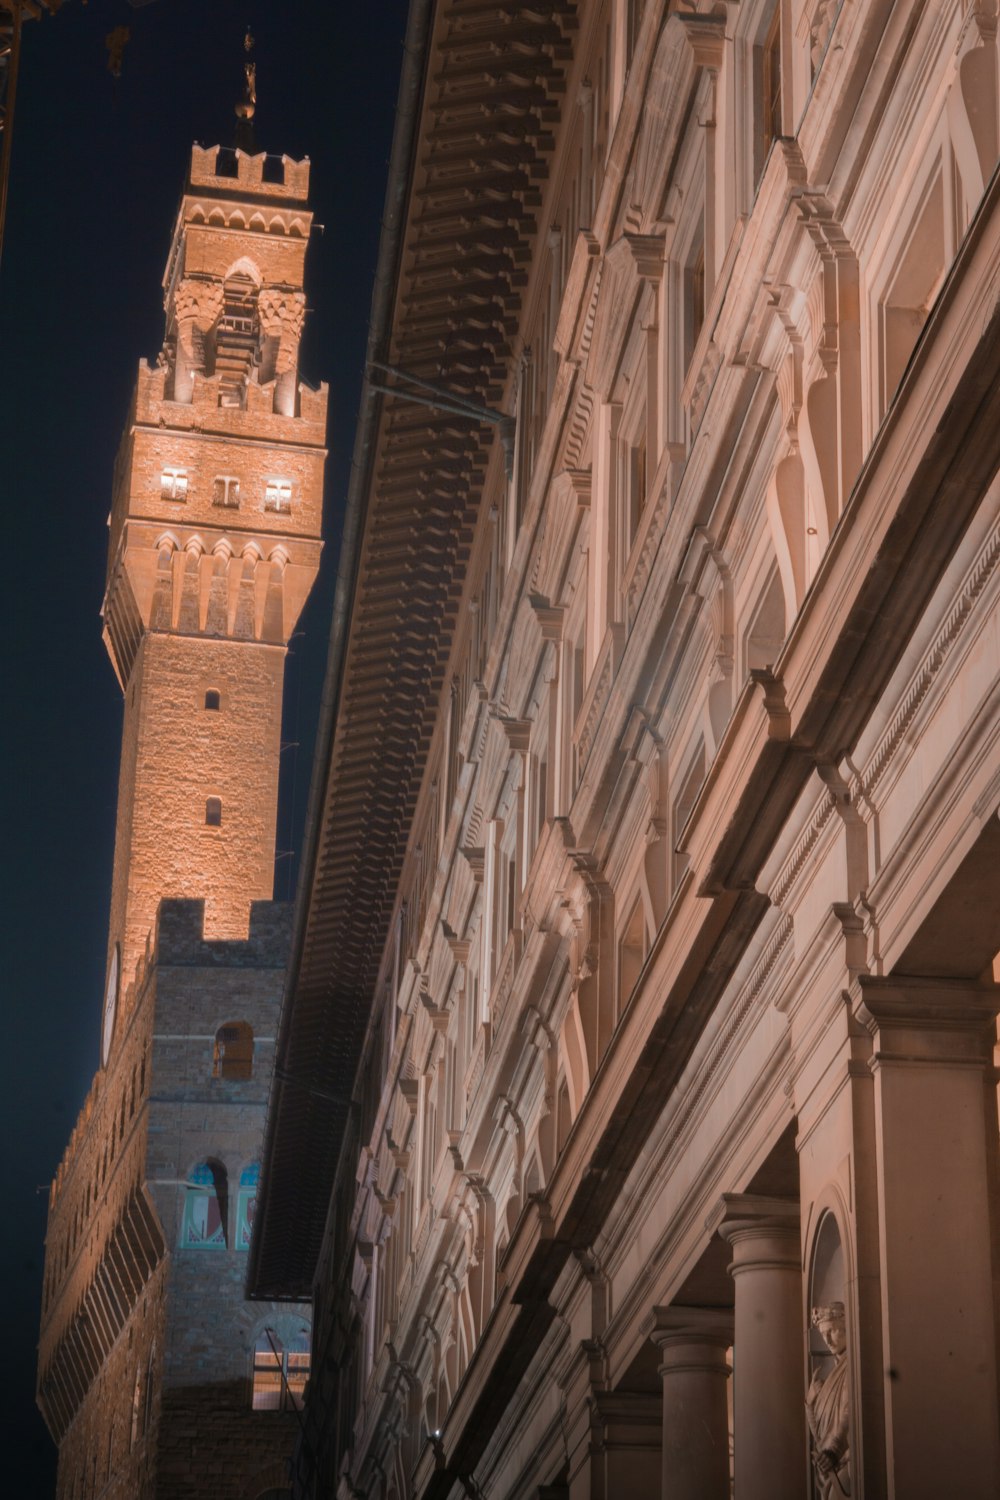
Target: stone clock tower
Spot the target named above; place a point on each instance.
(155, 1377)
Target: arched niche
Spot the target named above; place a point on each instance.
(827, 1275)
(828, 1393)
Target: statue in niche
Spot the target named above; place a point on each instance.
(828, 1407)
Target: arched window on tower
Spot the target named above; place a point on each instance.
(213, 700)
(232, 1056)
(213, 812)
(205, 1203)
(281, 1367)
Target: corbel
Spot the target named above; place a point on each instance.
(475, 858)
(648, 253)
(550, 617)
(409, 1089)
(458, 947)
(518, 732)
(779, 719)
(706, 38)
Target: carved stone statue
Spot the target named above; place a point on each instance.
(828, 1408)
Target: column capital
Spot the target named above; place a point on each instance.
(928, 1020)
(739, 1214)
(668, 1326)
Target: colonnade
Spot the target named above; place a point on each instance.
(917, 1375)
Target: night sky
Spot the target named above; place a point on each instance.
(98, 170)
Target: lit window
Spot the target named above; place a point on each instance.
(278, 495)
(213, 812)
(203, 1227)
(280, 1370)
(233, 1053)
(213, 700)
(226, 492)
(173, 484)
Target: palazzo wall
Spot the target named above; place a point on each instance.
(170, 1410)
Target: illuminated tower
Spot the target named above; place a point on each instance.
(213, 549)
(155, 1378)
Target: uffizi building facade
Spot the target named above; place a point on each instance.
(640, 1020)
(632, 1127)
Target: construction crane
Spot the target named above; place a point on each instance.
(13, 14)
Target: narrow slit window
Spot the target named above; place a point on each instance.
(694, 299)
(213, 812)
(772, 82)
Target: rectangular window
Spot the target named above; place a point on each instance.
(772, 82)
(765, 96)
(278, 495)
(694, 299)
(280, 1371)
(226, 492)
(173, 484)
(631, 955)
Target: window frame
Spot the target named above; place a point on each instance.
(174, 485)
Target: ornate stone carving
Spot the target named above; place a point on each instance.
(820, 29)
(281, 317)
(828, 1408)
(197, 308)
(198, 303)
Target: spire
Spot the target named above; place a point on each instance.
(247, 106)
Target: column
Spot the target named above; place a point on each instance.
(936, 1148)
(693, 1343)
(768, 1347)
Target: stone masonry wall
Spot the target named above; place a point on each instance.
(103, 1305)
(166, 1397)
(211, 1442)
(176, 755)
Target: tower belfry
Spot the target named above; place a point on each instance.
(149, 1358)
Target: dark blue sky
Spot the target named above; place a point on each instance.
(97, 172)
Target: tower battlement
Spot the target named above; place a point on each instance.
(262, 175)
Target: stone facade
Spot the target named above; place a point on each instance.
(678, 1050)
(156, 1378)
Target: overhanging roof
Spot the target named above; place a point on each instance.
(480, 95)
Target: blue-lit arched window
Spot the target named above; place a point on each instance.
(246, 1205)
(204, 1223)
